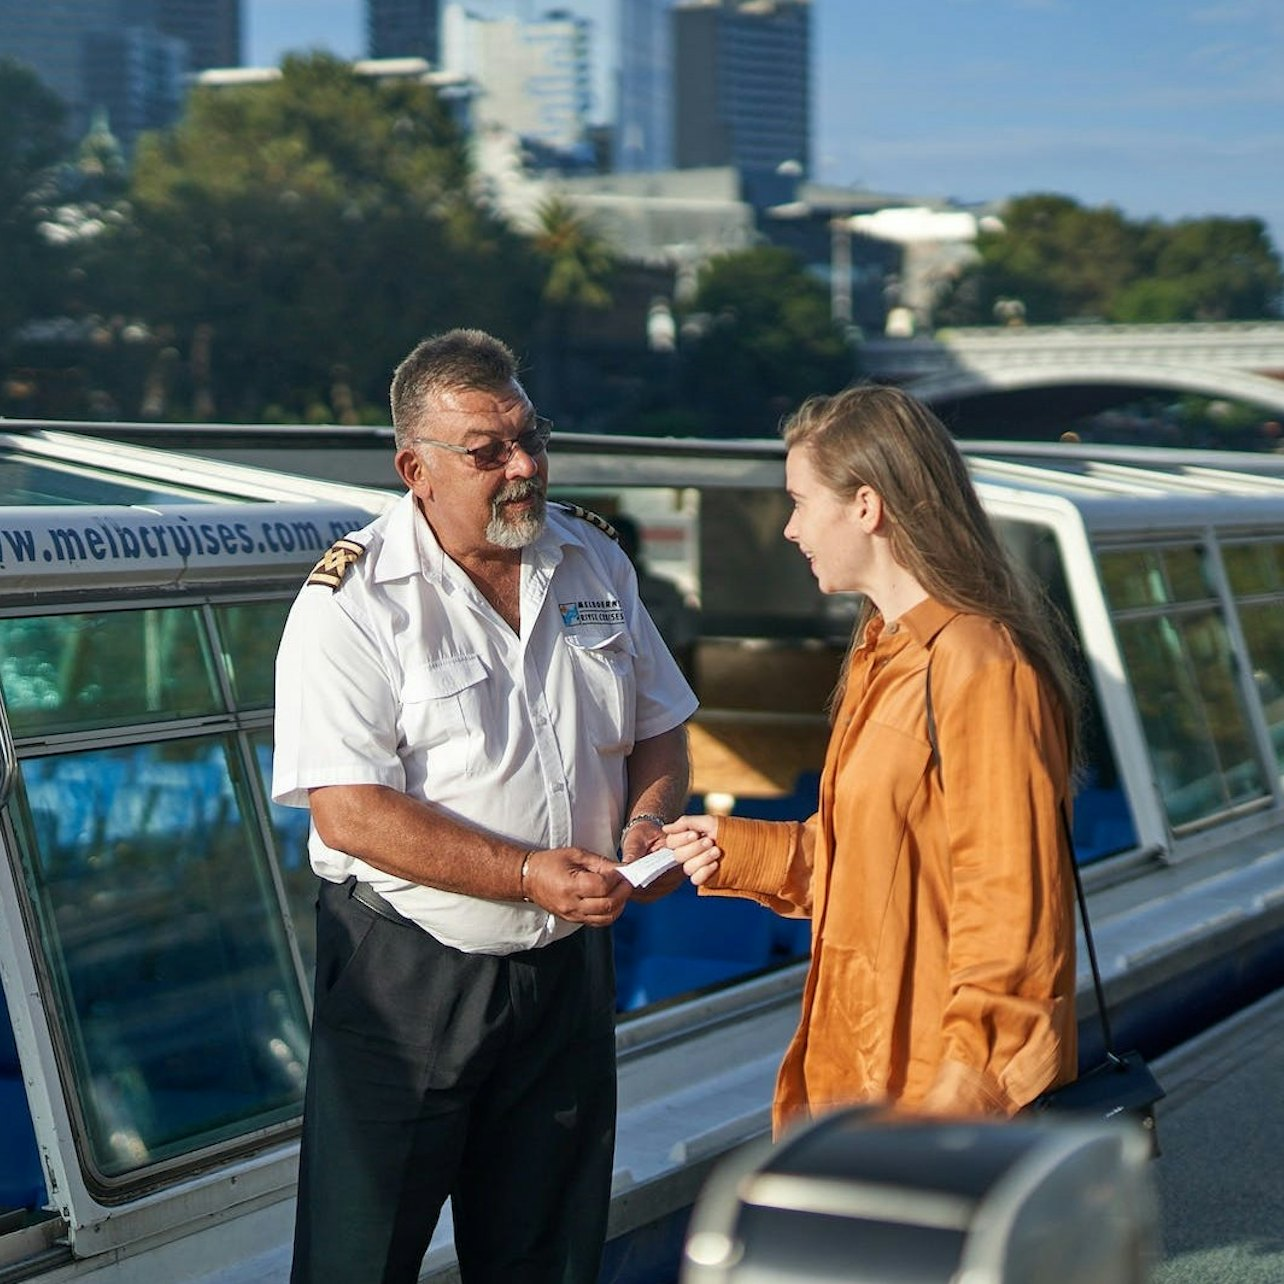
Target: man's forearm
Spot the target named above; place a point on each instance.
(659, 775)
(413, 840)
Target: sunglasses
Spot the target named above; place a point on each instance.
(496, 452)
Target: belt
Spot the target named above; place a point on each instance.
(371, 899)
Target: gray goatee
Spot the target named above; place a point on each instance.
(516, 530)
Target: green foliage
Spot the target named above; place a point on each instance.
(1065, 262)
(578, 269)
(31, 143)
(313, 230)
(1059, 259)
(579, 264)
(766, 342)
(1208, 269)
(31, 132)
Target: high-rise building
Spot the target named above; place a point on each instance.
(403, 29)
(742, 85)
(49, 38)
(211, 28)
(533, 78)
(136, 76)
(127, 57)
(643, 120)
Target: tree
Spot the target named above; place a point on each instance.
(1208, 269)
(578, 269)
(765, 342)
(31, 143)
(1064, 262)
(297, 238)
(1061, 260)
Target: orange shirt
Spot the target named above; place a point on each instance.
(942, 973)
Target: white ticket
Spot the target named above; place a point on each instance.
(644, 872)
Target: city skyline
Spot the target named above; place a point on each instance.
(1165, 108)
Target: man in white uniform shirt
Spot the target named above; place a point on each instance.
(477, 709)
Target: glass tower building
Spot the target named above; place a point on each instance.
(742, 85)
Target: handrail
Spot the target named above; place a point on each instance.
(8, 757)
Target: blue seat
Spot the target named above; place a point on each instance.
(1103, 824)
(22, 1180)
(685, 942)
(661, 976)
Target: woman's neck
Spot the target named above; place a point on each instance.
(898, 592)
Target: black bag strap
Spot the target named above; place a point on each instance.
(1080, 895)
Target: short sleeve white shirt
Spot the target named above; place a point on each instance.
(405, 676)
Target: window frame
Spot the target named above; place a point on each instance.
(1186, 837)
(230, 726)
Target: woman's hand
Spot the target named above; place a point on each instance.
(693, 841)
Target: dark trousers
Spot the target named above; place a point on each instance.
(434, 1073)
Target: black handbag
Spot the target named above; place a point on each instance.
(1121, 1085)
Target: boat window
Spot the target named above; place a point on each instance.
(26, 482)
(1103, 821)
(1256, 573)
(1175, 643)
(251, 633)
(106, 668)
(161, 932)
(290, 826)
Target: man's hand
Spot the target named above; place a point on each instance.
(643, 838)
(577, 885)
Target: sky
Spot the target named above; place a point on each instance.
(1166, 109)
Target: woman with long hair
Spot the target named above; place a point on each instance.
(935, 871)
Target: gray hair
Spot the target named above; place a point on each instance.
(453, 361)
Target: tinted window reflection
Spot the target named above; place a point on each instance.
(1185, 570)
(77, 672)
(290, 838)
(162, 933)
(1255, 568)
(1263, 625)
(250, 633)
(1256, 573)
(25, 482)
(1183, 674)
(1103, 822)
(1133, 579)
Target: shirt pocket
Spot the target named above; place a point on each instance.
(442, 713)
(606, 689)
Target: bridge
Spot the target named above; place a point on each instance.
(1091, 365)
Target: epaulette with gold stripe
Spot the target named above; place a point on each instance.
(600, 522)
(333, 566)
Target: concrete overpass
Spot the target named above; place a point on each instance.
(1237, 361)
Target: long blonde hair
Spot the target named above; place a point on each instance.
(882, 437)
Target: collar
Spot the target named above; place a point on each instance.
(924, 621)
(921, 623)
(409, 547)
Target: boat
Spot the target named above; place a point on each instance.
(157, 907)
